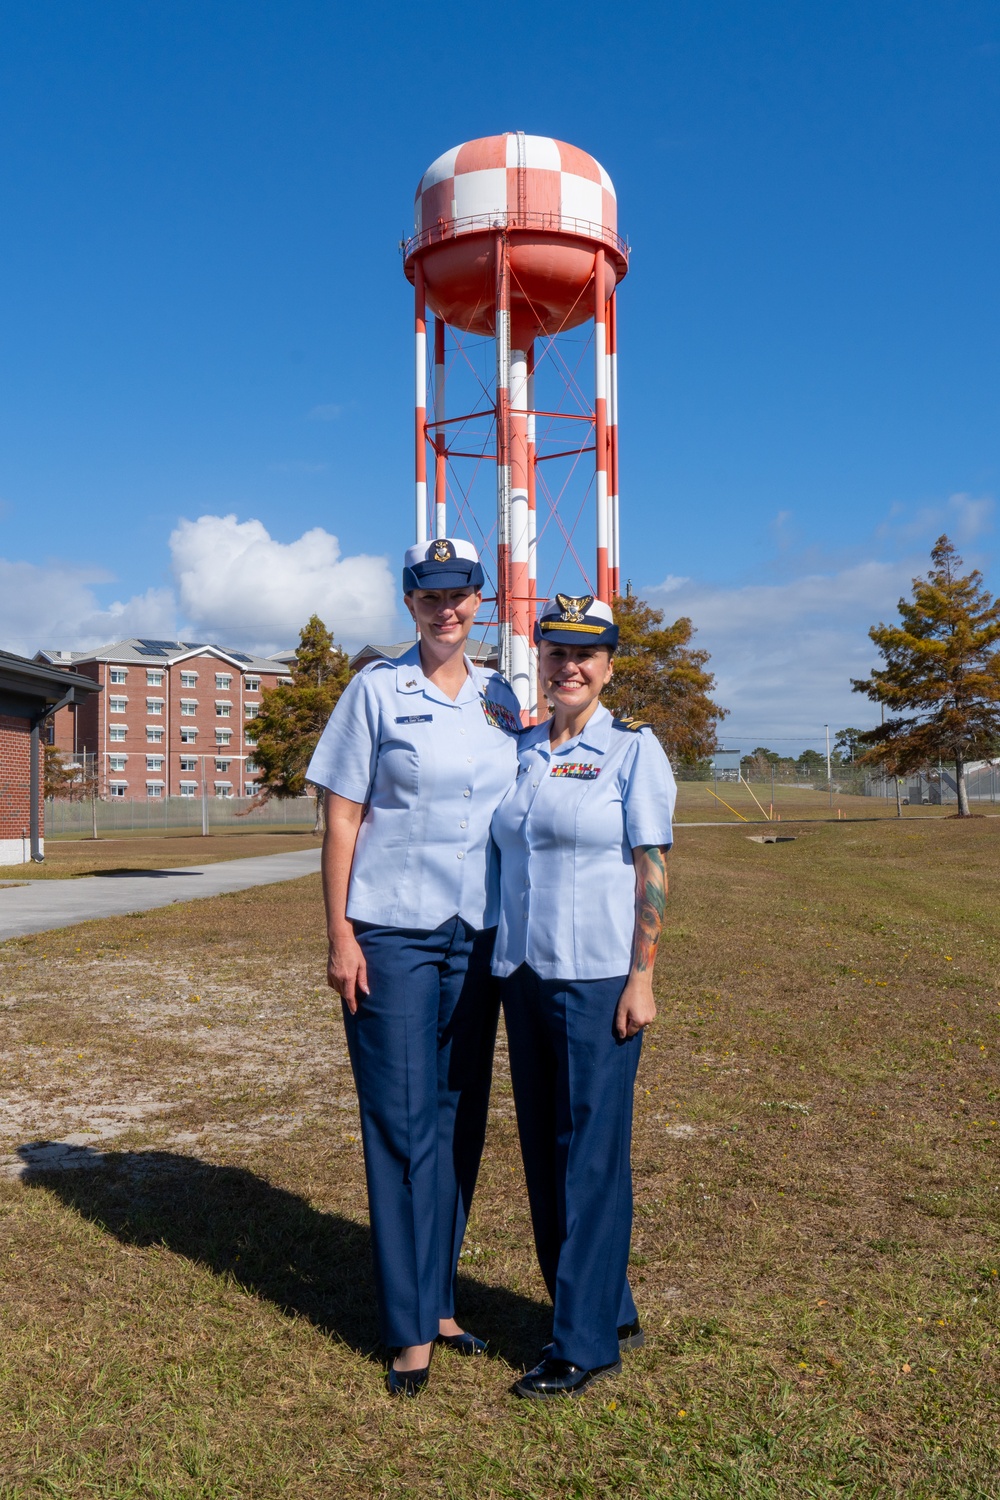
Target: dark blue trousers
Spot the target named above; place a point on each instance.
(573, 1081)
(421, 1047)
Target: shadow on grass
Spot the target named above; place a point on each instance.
(272, 1242)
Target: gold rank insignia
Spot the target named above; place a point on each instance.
(442, 551)
(633, 724)
(573, 609)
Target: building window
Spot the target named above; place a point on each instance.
(251, 710)
(223, 681)
(154, 788)
(252, 684)
(251, 742)
(117, 762)
(118, 676)
(189, 763)
(154, 705)
(116, 732)
(117, 705)
(189, 736)
(223, 736)
(154, 762)
(223, 710)
(189, 788)
(154, 734)
(222, 765)
(189, 679)
(189, 707)
(285, 681)
(251, 767)
(117, 788)
(223, 789)
(154, 679)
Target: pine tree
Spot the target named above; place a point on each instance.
(293, 715)
(941, 678)
(659, 677)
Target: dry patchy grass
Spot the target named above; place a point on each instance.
(188, 1307)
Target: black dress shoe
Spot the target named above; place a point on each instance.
(631, 1336)
(462, 1343)
(406, 1382)
(557, 1377)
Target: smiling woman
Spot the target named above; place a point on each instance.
(416, 756)
(583, 837)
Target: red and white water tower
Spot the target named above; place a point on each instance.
(516, 242)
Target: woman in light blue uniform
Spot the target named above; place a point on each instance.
(415, 758)
(583, 836)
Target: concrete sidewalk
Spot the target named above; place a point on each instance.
(39, 905)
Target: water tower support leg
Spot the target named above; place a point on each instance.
(440, 458)
(503, 457)
(420, 405)
(614, 559)
(520, 533)
(532, 542)
(601, 425)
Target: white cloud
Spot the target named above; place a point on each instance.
(783, 654)
(55, 605)
(237, 585)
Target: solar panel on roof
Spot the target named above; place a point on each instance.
(193, 645)
(239, 656)
(156, 648)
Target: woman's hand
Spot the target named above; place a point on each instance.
(346, 970)
(636, 1008)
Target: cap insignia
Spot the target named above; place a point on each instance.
(573, 609)
(441, 551)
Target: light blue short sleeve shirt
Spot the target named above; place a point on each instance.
(565, 832)
(429, 773)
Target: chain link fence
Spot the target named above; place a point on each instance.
(107, 815)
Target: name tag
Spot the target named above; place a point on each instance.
(499, 716)
(577, 770)
(415, 719)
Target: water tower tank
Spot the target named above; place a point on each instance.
(516, 240)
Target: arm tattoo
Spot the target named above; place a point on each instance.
(650, 901)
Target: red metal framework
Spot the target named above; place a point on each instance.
(515, 284)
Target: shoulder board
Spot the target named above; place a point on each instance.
(634, 725)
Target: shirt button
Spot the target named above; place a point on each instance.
(469, 759)
(460, 855)
(534, 783)
(461, 731)
(464, 823)
(467, 792)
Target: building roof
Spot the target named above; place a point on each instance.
(33, 682)
(477, 651)
(147, 652)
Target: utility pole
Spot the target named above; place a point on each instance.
(829, 773)
(204, 800)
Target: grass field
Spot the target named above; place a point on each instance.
(186, 1290)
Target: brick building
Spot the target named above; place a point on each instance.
(172, 714)
(29, 692)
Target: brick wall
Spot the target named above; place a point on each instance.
(15, 773)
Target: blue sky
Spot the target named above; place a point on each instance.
(205, 314)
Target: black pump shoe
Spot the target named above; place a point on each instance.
(406, 1382)
(557, 1377)
(462, 1343)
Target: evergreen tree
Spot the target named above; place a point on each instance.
(941, 678)
(293, 715)
(660, 678)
